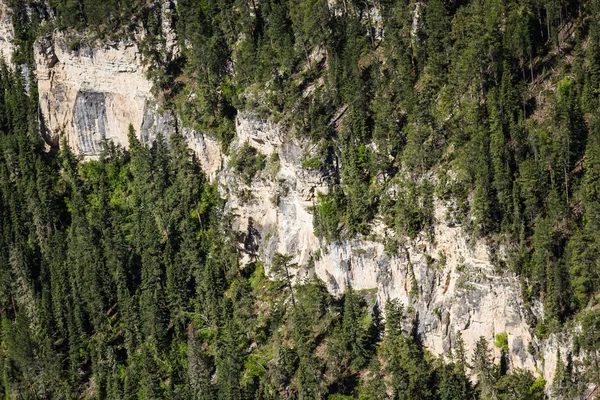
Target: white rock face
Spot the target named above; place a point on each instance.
(7, 32)
(91, 93)
(275, 226)
(88, 94)
(208, 151)
(466, 293)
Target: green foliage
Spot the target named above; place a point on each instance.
(566, 382)
(485, 370)
(413, 212)
(329, 212)
(280, 268)
(351, 343)
(389, 102)
(589, 340)
(521, 384)
(247, 162)
(156, 306)
(501, 341)
(312, 163)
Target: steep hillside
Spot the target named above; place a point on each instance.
(439, 155)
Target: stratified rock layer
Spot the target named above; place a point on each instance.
(89, 94)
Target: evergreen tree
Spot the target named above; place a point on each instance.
(485, 370)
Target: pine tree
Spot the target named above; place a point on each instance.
(482, 198)
(484, 369)
(280, 267)
(589, 340)
(437, 26)
(500, 161)
(583, 247)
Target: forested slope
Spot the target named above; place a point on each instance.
(121, 279)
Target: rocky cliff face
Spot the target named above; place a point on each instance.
(92, 93)
(7, 32)
(448, 285)
(88, 94)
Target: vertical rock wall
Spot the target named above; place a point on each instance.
(91, 93)
(447, 285)
(7, 32)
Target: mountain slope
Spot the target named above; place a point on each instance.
(441, 153)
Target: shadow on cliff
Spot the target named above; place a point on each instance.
(51, 142)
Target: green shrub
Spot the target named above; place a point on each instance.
(247, 162)
(329, 213)
(502, 341)
(312, 163)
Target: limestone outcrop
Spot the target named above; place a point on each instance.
(7, 32)
(91, 93)
(447, 285)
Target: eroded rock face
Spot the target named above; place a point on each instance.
(7, 32)
(90, 120)
(277, 217)
(447, 284)
(88, 94)
(207, 150)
